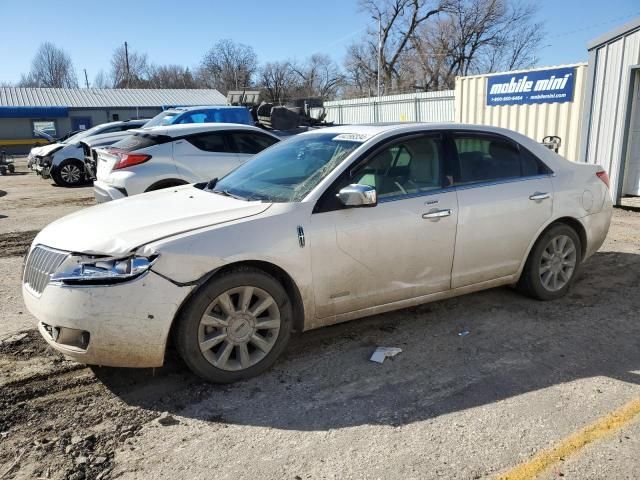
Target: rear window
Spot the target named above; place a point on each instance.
(139, 141)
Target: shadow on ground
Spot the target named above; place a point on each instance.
(516, 345)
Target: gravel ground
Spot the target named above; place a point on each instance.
(528, 374)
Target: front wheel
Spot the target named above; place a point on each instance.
(70, 173)
(552, 264)
(235, 327)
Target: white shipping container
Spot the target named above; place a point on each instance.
(535, 120)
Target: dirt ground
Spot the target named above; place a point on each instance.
(527, 376)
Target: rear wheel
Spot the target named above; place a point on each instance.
(235, 327)
(552, 264)
(70, 173)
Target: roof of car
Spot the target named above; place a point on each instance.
(370, 130)
(203, 107)
(188, 128)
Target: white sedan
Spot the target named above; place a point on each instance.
(167, 156)
(329, 226)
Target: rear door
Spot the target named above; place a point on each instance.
(505, 195)
(246, 144)
(204, 156)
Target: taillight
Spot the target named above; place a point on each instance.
(126, 159)
(602, 175)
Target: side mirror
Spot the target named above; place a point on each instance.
(356, 195)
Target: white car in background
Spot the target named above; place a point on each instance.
(64, 162)
(168, 156)
(325, 227)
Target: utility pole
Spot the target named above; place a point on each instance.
(126, 59)
(379, 50)
(86, 79)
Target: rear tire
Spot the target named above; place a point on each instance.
(70, 173)
(235, 327)
(553, 264)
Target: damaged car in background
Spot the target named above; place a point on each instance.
(328, 226)
(64, 162)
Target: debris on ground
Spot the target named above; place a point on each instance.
(383, 352)
(166, 420)
(464, 333)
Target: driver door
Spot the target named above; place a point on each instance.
(401, 248)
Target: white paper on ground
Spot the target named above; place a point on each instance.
(383, 352)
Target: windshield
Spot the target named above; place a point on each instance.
(80, 135)
(289, 170)
(163, 118)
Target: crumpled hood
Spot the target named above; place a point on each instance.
(47, 149)
(117, 227)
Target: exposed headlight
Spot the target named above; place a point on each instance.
(87, 270)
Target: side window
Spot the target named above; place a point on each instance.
(531, 165)
(404, 168)
(251, 143)
(195, 117)
(485, 158)
(111, 130)
(209, 142)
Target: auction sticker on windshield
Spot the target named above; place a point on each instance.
(352, 137)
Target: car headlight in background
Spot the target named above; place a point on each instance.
(88, 270)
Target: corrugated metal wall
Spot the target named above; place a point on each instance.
(411, 107)
(608, 103)
(536, 121)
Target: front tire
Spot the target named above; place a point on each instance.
(70, 173)
(235, 327)
(553, 264)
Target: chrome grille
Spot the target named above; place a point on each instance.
(41, 264)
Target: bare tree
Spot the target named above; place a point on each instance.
(171, 76)
(475, 36)
(278, 81)
(137, 73)
(319, 77)
(228, 66)
(101, 80)
(51, 67)
(398, 21)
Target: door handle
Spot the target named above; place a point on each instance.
(539, 196)
(437, 213)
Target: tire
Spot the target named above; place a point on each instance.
(212, 345)
(70, 173)
(553, 264)
(11, 168)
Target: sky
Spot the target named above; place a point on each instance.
(172, 32)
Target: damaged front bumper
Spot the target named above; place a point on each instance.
(121, 325)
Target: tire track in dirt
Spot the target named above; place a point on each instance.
(16, 244)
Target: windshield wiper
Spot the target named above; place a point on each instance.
(211, 184)
(227, 193)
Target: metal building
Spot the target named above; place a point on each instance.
(58, 111)
(410, 107)
(611, 125)
(538, 103)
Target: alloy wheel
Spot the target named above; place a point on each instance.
(70, 173)
(239, 328)
(558, 263)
